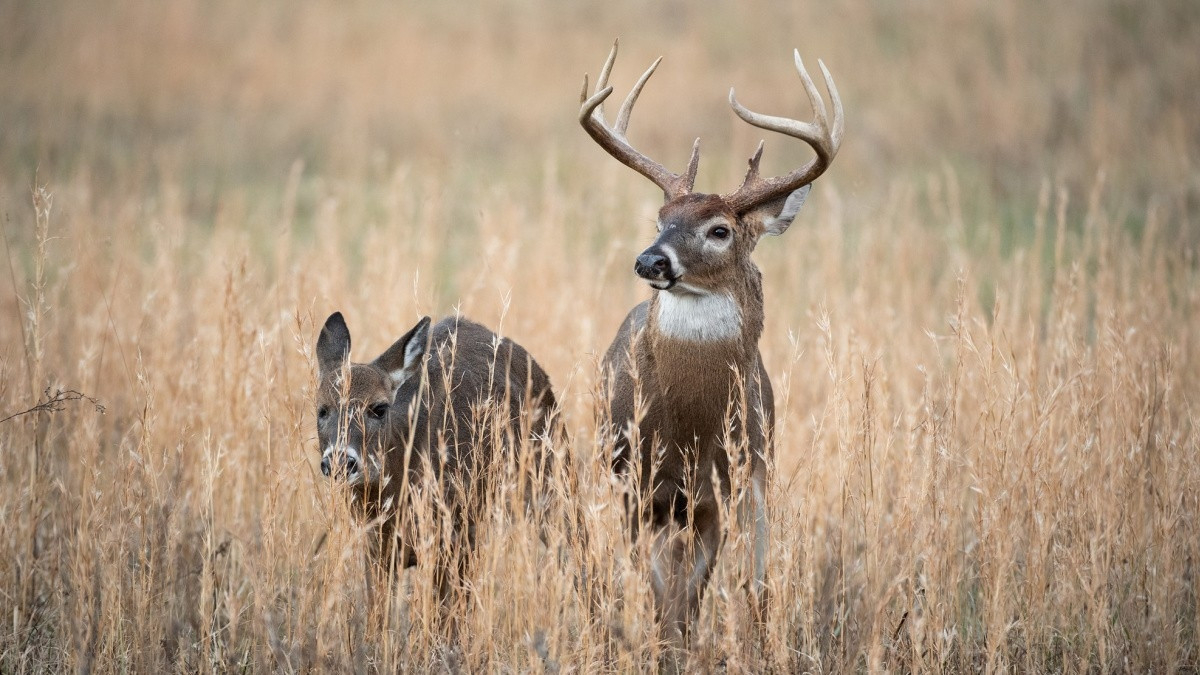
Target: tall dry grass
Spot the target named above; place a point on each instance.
(982, 331)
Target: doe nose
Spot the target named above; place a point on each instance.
(349, 465)
(652, 263)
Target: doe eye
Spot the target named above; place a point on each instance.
(719, 232)
(378, 411)
(323, 412)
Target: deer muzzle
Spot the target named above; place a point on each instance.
(655, 265)
(342, 463)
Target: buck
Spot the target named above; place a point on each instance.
(452, 398)
(688, 397)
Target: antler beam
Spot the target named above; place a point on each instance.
(824, 139)
(613, 140)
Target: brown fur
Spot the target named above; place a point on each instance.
(685, 389)
(441, 418)
(686, 358)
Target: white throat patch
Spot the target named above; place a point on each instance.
(709, 317)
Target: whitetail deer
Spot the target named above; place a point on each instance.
(684, 375)
(450, 399)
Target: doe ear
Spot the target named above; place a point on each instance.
(778, 224)
(333, 345)
(402, 359)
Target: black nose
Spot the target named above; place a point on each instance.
(652, 265)
(349, 465)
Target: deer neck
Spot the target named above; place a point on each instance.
(697, 339)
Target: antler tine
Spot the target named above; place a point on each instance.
(839, 116)
(693, 166)
(613, 140)
(627, 107)
(752, 171)
(814, 96)
(591, 106)
(823, 139)
(602, 79)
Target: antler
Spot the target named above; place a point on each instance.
(756, 190)
(591, 116)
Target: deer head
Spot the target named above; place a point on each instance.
(360, 405)
(704, 241)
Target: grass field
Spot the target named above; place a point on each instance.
(982, 330)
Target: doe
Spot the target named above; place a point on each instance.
(452, 398)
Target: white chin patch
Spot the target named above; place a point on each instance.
(699, 317)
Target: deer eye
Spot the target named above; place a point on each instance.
(719, 232)
(323, 412)
(378, 411)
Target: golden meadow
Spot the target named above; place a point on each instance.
(981, 329)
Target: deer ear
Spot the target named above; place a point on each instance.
(778, 224)
(403, 358)
(333, 345)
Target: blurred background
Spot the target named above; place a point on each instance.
(219, 99)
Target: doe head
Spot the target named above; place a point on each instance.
(362, 412)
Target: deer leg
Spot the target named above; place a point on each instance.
(752, 521)
(706, 543)
(668, 572)
(450, 574)
(681, 562)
